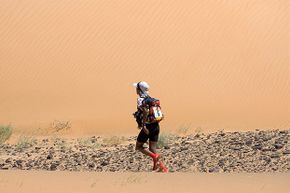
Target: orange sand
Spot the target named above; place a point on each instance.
(214, 64)
(73, 182)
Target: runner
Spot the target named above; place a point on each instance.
(148, 118)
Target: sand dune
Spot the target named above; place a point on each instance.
(214, 64)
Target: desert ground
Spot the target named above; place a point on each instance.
(73, 182)
(219, 152)
(249, 161)
(221, 70)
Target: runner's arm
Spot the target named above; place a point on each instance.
(145, 115)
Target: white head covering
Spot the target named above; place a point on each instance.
(143, 86)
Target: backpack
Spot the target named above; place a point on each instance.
(153, 105)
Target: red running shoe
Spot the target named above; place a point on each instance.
(162, 167)
(155, 160)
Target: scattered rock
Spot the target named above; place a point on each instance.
(53, 166)
(213, 169)
(91, 165)
(5, 167)
(248, 142)
(278, 146)
(275, 155)
(286, 152)
(260, 151)
(257, 146)
(236, 148)
(183, 148)
(264, 149)
(131, 160)
(166, 147)
(49, 156)
(104, 163)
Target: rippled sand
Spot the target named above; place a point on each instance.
(214, 64)
(62, 182)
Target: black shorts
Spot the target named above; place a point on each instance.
(153, 133)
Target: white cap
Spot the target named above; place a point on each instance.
(143, 86)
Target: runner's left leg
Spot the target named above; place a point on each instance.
(152, 148)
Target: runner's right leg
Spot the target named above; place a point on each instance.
(152, 148)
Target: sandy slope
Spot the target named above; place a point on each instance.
(73, 182)
(213, 64)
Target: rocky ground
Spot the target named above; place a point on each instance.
(255, 151)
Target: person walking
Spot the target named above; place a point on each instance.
(148, 116)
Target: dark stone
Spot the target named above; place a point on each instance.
(236, 148)
(266, 149)
(131, 160)
(53, 166)
(28, 154)
(5, 167)
(49, 156)
(257, 146)
(278, 146)
(275, 155)
(91, 165)
(8, 160)
(283, 132)
(267, 159)
(93, 140)
(286, 152)
(104, 163)
(183, 148)
(246, 150)
(166, 147)
(248, 142)
(221, 163)
(213, 169)
(131, 147)
(18, 162)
